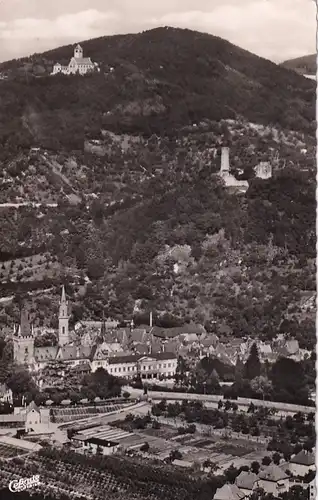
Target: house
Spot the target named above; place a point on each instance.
(229, 492)
(313, 490)
(273, 479)
(302, 463)
(246, 482)
(152, 366)
(6, 395)
(22, 417)
(264, 350)
(99, 446)
(69, 354)
(97, 325)
(33, 416)
(78, 64)
(100, 353)
(171, 333)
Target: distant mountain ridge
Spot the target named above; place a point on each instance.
(305, 65)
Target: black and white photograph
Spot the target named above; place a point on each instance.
(158, 249)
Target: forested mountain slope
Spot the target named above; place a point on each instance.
(130, 157)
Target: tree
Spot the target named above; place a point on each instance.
(227, 405)
(239, 370)
(276, 458)
(21, 382)
(266, 461)
(181, 372)
(289, 382)
(261, 385)
(253, 364)
(231, 474)
(255, 467)
(251, 408)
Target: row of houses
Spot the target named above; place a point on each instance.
(273, 479)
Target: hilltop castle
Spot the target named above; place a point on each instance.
(78, 64)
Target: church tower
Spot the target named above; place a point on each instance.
(23, 340)
(63, 320)
(78, 52)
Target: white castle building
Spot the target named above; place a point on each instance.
(78, 64)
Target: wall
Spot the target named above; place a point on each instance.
(239, 401)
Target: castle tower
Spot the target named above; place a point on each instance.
(78, 52)
(23, 340)
(225, 161)
(63, 320)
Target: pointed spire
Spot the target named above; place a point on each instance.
(63, 297)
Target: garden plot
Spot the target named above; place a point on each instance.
(8, 452)
(165, 432)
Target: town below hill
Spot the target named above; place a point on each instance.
(109, 188)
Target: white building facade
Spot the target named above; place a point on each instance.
(78, 64)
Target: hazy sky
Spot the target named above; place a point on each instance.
(275, 29)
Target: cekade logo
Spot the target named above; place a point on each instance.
(24, 484)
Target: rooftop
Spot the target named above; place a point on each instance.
(19, 443)
(303, 458)
(229, 492)
(272, 473)
(246, 480)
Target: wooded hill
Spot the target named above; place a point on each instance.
(147, 194)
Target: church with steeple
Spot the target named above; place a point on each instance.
(24, 351)
(124, 351)
(69, 349)
(63, 320)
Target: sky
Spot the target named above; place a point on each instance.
(275, 29)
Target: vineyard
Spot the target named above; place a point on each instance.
(69, 414)
(117, 477)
